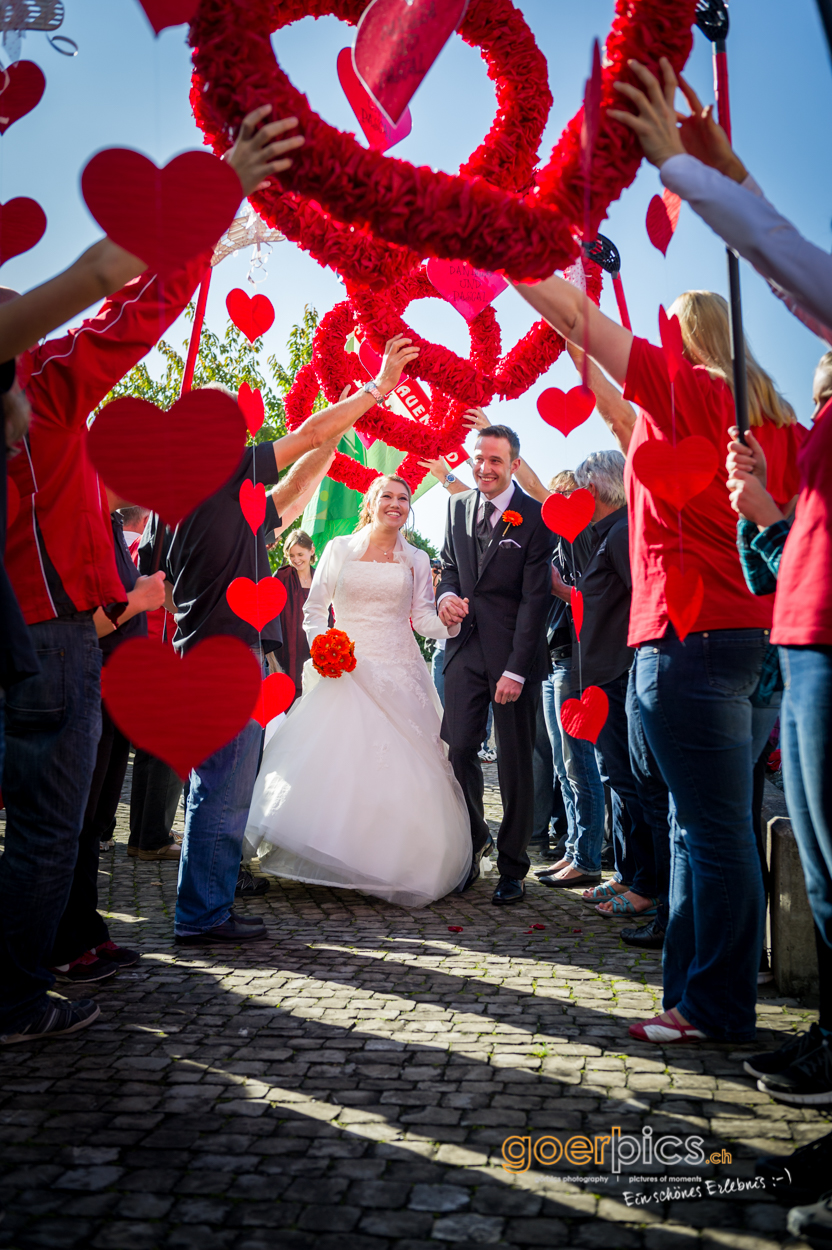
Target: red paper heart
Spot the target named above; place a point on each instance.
(662, 219)
(12, 502)
(585, 717)
(22, 224)
(454, 928)
(568, 515)
(252, 314)
(277, 693)
(253, 503)
(252, 407)
(256, 602)
(468, 289)
(24, 86)
(380, 135)
(168, 461)
(396, 43)
(670, 332)
(181, 710)
(162, 13)
(676, 474)
(163, 216)
(685, 594)
(566, 411)
(576, 602)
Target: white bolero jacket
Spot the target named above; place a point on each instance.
(339, 551)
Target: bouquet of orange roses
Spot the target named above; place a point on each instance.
(333, 653)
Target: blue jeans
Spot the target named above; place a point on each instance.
(53, 723)
(215, 821)
(576, 765)
(694, 699)
(654, 797)
(437, 672)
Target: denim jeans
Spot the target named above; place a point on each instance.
(215, 821)
(655, 799)
(694, 699)
(53, 723)
(577, 768)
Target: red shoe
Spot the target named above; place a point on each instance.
(665, 1030)
(87, 967)
(117, 954)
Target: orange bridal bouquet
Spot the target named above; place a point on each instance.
(333, 653)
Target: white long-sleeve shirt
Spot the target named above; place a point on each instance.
(798, 272)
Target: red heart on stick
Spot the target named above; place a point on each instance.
(468, 289)
(252, 314)
(256, 602)
(662, 219)
(673, 346)
(24, 86)
(567, 515)
(168, 461)
(277, 693)
(585, 717)
(164, 216)
(162, 13)
(22, 225)
(12, 501)
(676, 474)
(566, 411)
(181, 710)
(380, 135)
(253, 503)
(576, 602)
(252, 407)
(685, 594)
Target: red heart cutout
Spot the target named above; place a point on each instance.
(676, 474)
(576, 602)
(685, 594)
(252, 407)
(252, 314)
(585, 717)
(396, 43)
(181, 710)
(468, 289)
(253, 503)
(454, 928)
(568, 515)
(566, 411)
(24, 86)
(12, 501)
(380, 135)
(164, 216)
(277, 693)
(256, 602)
(22, 224)
(162, 13)
(662, 219)
(670, 332)
(168, 461)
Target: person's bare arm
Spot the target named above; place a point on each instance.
(440, 471)
(615, 410)
(147, 595)
(580, 322)
(293, 493)
(530, 482)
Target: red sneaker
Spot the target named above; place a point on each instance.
(87, 967)
(117, 954)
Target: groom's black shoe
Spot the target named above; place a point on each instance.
(510, 890)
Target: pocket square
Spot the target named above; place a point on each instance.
(508, 542)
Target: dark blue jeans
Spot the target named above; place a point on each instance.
(655, 801)
(576, 766)
(694, 699)
(53, 723)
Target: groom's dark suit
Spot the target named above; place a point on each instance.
(509, 591)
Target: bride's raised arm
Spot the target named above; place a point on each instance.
(316, 608)
(423, 613)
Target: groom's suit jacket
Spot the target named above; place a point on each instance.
(509, 596)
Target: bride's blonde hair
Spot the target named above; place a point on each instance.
(370, 499)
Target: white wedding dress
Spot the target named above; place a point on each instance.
(355, 789)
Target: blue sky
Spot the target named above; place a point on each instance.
(129, 89)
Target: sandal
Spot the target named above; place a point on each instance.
(602, 893)
(623, 907)
(665, 1029)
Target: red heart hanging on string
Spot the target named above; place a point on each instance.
(163, 216)
(468, 289)
(685, 594)
(168, 461)
(252, 314)
(24, 86)
(162, 13)
(380, 135)
(662, 219)
(256, 602)
(277, 693)
(585, 717)
(676, 474)
(566, 411)
(568, 515)
(396, 43)
(22, 225)
(253, 503)
(670, 332)
(12, 501)
(181, 710)
(252, 407)
(576, 602)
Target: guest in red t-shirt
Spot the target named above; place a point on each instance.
(694, 695)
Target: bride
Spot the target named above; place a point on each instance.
(355, 789)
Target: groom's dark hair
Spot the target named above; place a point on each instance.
(502, 431)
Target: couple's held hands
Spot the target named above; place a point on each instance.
(452, 610)
(260, 150)
(399, 352)
(508, 690)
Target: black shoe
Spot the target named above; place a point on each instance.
(249, 886)
(230, 931)
(802, 1176)
(256, 922)
(648, 936)
(60, 1017)
(806, 1082)
(510, 890)
(814, 1223)
(794, 1048)
(87, 967)
(570, 883)
(120, 955)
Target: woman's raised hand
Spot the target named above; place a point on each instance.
(398, 352)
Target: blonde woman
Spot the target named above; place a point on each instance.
(355, 789)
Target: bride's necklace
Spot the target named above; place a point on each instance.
(378, 547)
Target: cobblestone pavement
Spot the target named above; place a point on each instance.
(348, 1084)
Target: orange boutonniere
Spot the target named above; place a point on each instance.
(511, 518)
(333, 653)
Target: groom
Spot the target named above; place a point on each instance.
(496, 584)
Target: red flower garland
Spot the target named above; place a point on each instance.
(333, 653)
